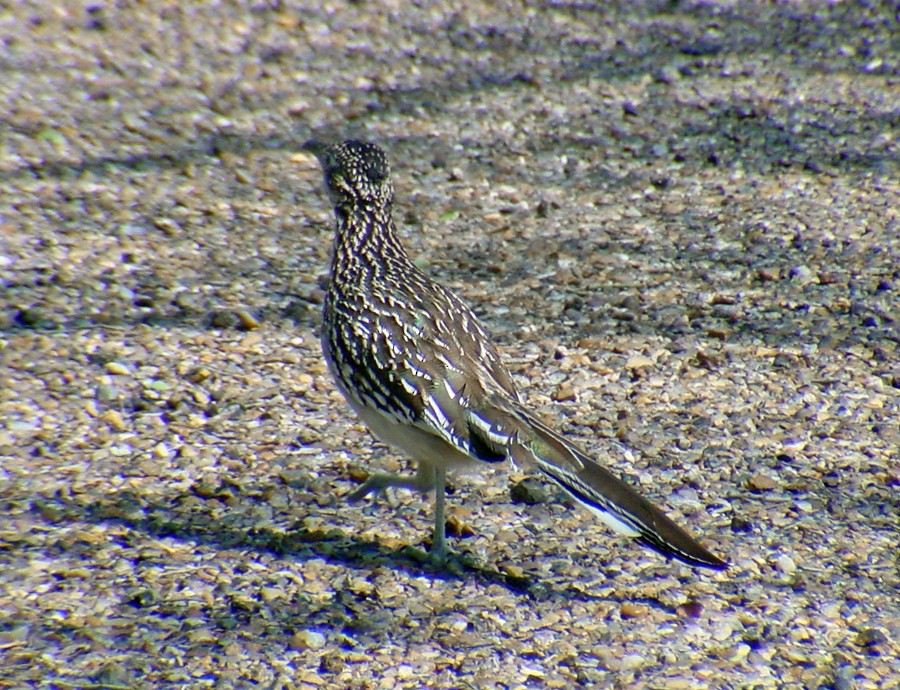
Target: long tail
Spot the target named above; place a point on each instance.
(530, 443)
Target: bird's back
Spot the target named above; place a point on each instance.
(404, 344)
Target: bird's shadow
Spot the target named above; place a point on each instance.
(198, 517)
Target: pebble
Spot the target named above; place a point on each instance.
(117, 368)
(247, 320)
(761, 482)
(529, 491)
(106, 392)
(785, 564)
(869, 637)
(564, 393)
(307, 639)
(114, 419)
(638, 362)
(631, 610)
(801, 274)
(632, 662)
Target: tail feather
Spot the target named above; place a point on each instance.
(529, 442)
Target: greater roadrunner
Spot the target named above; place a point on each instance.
(414, 362)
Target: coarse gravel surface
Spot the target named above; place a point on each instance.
(679, 219)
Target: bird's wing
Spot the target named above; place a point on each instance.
(427, 367)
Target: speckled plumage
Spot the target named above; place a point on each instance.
(416, 365)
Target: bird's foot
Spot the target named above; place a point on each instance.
(376, 484)
(439, 554)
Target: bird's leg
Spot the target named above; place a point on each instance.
(439, 541)
(423, 482)
(427, 477)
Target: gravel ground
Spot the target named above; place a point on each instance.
(679, 219)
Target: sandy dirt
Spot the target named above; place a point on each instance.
(680, 221)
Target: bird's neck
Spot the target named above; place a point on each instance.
(366, 236)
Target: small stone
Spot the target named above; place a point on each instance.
(308, 436)
(202, 636)
(270, 594)
(358, 474)
(189, 303)
(168, 226)
(204, 490)
(332, 663)
(832, 480)
(691, 609)
(224, 319)
(306, 639)
(458, 527)
(141, 597)
(873, 65)
(739, 524)
(515, 576)
(632, 662)
(111, 674)
(161, 450)
(564, 393)
(801, 274)
(528, 491)
(198, 374)
(761, 482)
(785, 564)
(741, 652)
(678, 684)
(117, 368)
(639, 362)
(532, 672)
(631, 610)
(296, 479)
(106, 393)
(869, 637)
(114, 419)
(247, 321)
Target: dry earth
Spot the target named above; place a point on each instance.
(679, 219)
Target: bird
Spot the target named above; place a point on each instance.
(423, 374)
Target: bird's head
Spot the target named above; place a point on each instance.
(357, 173)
